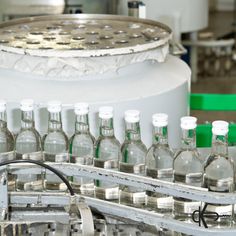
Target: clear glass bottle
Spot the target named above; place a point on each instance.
(28, 141)
(82, 148)
(133, 159)
(188, 169)
(6, 137)
(55, 145)
(159, 163)
(6, 143)
(219, 175)
(107, 154)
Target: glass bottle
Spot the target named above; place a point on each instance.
(219, 175)
(82, 148)
(188, 169)
(159, 163)
(6, 137)
(133, 159)
(55, 145)
(28, 146)
(6, 143)
(107, 154)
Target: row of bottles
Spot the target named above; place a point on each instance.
(216, 172)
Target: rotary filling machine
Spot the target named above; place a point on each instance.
(102, 60)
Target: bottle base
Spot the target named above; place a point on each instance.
(108, 194)
(137, 199)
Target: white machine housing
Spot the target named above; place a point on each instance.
(136, 75)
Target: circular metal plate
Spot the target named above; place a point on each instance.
(82, 35)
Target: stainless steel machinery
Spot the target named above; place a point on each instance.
(45, 213)
(15, 9)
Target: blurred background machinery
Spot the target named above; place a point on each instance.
(11, 9)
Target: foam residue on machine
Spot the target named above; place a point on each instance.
(56, 68)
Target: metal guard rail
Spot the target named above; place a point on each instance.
(139, 216)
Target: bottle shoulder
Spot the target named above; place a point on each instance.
(187, 153)
(159, 151)
(133, 144)
(6, 133)
(188, 159)
(55, 135)
(162, 148)
(27, 133)
(78, 137)
(218, 161)
(107, 148)
(103, 140)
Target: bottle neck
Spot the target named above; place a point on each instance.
(54, 123)
(82, 124)
(220, 145)
(106, 127)
(160, 135)
(3, 119)
(189, 139)
(132, 131)
(27, 119)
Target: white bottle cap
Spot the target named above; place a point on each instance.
(132, 116)
(2, 105)
(54, 106)
(188, 122)
(106, 112)
(81, 108)
(160, 119)
(220, 127)
(27, 105)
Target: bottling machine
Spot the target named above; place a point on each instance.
(102, 60)
(99, 59)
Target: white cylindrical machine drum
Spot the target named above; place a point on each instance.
(128, 73)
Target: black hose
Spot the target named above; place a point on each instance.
(55, 171)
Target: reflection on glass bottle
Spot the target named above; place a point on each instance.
(82, 148)
(28, 141)
(55, 145)
(6, 143)
(188, 169)
(133, 159)
(159, 163)
(219, 175)
(107, 154)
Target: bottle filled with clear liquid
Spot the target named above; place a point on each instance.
(6, 143)
(82, 148)
(28, 146)
(55, 145)
(188, 169)
(219, 176)
(133, 159)
(159, 163)
(107, 154)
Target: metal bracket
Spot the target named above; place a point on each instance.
(141, 216)
(86, 217)
(3, 194)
